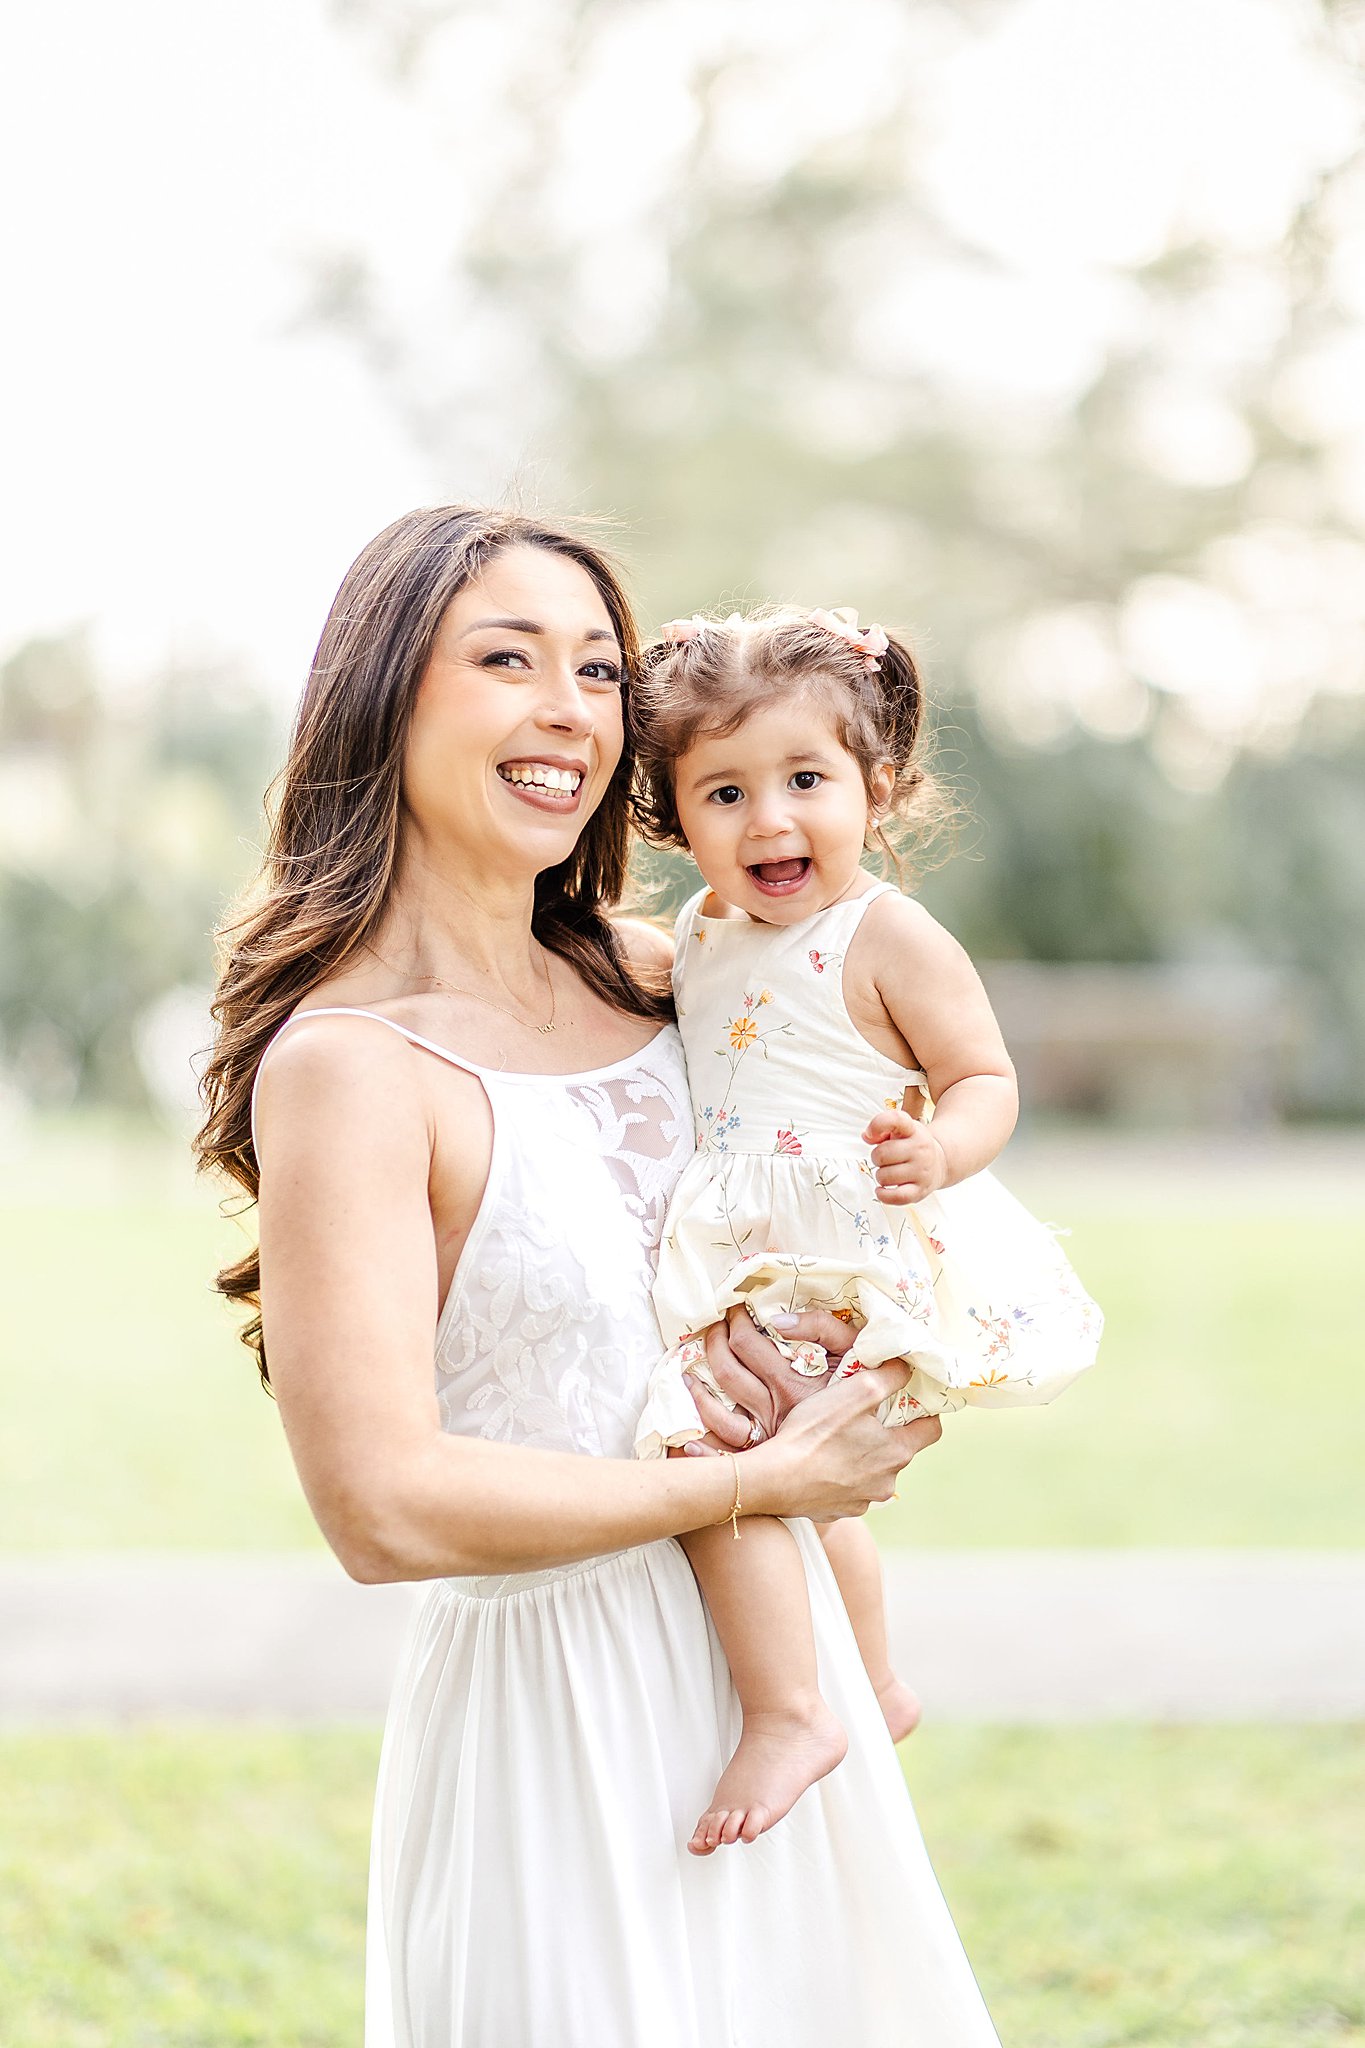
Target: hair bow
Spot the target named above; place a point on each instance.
(679, 631)
(869, 641)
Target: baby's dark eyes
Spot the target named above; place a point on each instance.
(804, 780)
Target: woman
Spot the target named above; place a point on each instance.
(468, 1124)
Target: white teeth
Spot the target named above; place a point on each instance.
(538, 775)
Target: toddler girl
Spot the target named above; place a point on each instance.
(850, 1086)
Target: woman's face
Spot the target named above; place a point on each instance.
(517, 725)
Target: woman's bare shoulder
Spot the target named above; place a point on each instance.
(326, 1078)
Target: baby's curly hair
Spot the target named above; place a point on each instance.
(711, 681)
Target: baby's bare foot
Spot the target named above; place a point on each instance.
(900, 1708)
(781, 1754)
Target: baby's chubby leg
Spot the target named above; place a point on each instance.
(852, 1552)
(756, 1592)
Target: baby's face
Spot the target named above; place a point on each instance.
(775, 812)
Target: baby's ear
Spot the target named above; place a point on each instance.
(880, 784)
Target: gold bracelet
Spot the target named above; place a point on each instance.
(733, 1517)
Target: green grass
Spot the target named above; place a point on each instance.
(1162, 1886)
(1154, 1888)
(196, 1889)
(1226, 1407)
(135, 1419)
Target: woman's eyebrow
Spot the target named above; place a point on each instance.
(531, 626)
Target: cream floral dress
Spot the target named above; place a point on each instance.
(778, 1207)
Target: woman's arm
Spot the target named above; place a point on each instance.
(349, 1280)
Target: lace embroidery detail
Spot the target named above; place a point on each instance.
(550, 1336)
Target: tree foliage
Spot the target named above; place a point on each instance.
(125, 822)
(1144, 609)
(685, 291)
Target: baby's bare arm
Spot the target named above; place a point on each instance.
(932, 998)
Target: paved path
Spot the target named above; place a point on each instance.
(1059, 1635)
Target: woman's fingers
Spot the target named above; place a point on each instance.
(733, 1376)
(918, 1435)
(728, 1428)
(870, 1385)
(816, 1326)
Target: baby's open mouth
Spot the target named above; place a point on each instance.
(778, 876)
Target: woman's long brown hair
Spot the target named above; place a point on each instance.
(333, 841)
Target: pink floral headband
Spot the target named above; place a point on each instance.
(869, 641)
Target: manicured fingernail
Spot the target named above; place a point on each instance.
(691, 1450)
(783, 1322)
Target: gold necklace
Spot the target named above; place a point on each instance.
(525, 1022)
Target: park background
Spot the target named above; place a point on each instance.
(1034, 327)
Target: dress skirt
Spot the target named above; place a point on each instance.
(551, 1741)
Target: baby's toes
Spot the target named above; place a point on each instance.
(706, 1834)
(733, 1824)
(755, 1822)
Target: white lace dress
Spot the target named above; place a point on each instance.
(554, 1735)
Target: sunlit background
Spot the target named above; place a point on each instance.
(1033, 327)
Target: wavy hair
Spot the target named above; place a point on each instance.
(711, 682)
(334, 822)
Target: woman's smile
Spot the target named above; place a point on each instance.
(546, 784)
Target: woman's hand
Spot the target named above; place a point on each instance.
(749, 1368)
(834, 1457)
(825, 1458)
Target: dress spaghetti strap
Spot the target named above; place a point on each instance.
(442, 1052)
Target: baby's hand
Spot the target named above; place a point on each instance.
(908, 1158)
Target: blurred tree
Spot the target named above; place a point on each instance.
(1134, 604)
(694, 261)
(120, 837)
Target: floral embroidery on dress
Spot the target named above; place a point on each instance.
(916, 1294)
(780, 1205)
(716, 1124)
(999, 1333)
(715, 1128)
(869, 1237)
